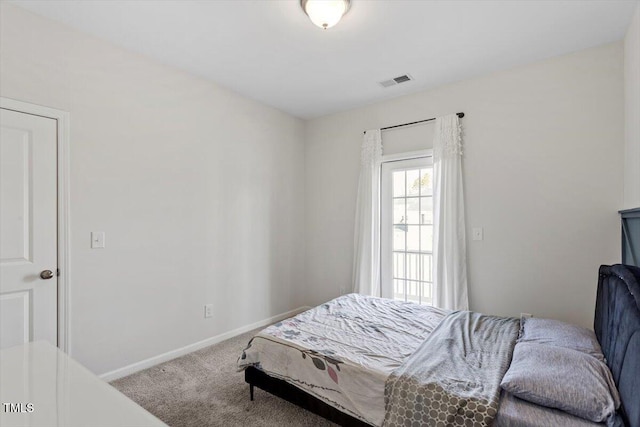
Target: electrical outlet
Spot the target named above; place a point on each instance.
(208, 310)
(525, 315)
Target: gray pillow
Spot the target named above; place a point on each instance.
(560, 334)
(516, 412)
(562, 378)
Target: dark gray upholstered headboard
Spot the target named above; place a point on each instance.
(617, 326)
(631, 236)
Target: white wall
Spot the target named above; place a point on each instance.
(543, 176)
(193, 183)
(199, 191)
(632, 113)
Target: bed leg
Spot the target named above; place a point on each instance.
(251, 391)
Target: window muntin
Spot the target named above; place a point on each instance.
(407, 230)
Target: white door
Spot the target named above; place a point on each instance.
(28, 228)
(406, 224)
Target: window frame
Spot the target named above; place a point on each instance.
(389, 164)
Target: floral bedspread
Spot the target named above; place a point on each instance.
(343, 351)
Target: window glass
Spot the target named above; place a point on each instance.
(407, 230)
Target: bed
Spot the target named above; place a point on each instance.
(366, 356)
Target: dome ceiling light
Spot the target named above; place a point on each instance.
(325, 13)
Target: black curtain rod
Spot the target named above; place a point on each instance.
(460, 115)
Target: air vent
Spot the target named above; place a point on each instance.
(402, 79)
(396, 80)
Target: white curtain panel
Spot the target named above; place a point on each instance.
(366, 261)
(449, 240)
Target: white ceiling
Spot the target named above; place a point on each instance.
(268, 50)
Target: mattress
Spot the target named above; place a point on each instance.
(343, 351)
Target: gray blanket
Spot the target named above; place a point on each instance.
(453, 379)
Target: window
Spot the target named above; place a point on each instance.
(406, 220)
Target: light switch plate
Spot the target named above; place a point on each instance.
(478, 233)
(97, 239)
(208, 310)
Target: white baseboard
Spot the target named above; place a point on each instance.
(152, 361)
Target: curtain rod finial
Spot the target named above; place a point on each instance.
(461, 115)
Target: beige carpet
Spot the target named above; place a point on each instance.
(203, 389)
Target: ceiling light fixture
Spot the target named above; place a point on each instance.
(325, 13)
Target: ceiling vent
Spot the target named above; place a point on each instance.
(396, 80)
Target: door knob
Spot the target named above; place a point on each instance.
(46, 274)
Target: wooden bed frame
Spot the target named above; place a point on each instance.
(616, 324)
